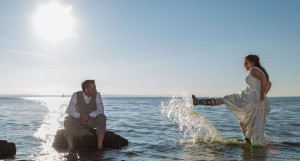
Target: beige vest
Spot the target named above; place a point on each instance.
(82, 107)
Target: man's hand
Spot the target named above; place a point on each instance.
(84, 118)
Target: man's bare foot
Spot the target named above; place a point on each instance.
(71, 155)
(100, 148)
(70, 150)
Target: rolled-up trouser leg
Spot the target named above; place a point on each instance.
(99, 122)
(70, 124)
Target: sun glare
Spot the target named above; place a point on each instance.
(54, 22)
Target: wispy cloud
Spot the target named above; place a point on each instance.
(33, 53)
(24, 50)
(3, 39)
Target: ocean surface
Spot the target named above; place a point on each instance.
(158, 128)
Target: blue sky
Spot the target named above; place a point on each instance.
(152, 47)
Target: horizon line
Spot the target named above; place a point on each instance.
(103, 95)
(69, 95)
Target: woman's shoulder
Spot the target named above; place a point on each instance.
(257, 73)
(254, 70)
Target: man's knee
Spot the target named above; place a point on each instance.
(68, 121)
(101, 118)
(69, 125)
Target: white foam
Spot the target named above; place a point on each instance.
(194, 126)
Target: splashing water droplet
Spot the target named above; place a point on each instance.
(194, 126)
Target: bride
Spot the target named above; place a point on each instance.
(251, 105)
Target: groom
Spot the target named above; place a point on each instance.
(85, 110)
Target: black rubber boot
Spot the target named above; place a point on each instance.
(207, 102)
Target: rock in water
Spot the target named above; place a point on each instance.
(7, 149)
(88, 138)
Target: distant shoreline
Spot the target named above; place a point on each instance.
(111, 95)
(71, 95)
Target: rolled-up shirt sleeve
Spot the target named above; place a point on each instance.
(71, 108)
(99, 106)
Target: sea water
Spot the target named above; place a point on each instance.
(157, 128)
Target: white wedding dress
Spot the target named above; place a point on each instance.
(250, 110)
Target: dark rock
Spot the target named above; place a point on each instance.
(7, 150)
(88, 138)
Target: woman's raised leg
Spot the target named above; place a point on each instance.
(219, 101)
(244, 128)
(207, 101)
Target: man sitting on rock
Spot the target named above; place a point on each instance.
(85, 110)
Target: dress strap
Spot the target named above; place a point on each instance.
(258, 69)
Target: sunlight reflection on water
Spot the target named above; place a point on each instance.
(52, 122)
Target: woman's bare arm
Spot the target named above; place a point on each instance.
(269, 85)
(263, 80)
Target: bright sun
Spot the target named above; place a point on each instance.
(54, 22)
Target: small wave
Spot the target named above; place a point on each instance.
(296, 144)
(194, 126)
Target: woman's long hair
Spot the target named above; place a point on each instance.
(255, 60)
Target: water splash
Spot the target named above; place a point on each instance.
(194, 126)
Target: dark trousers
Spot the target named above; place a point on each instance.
(71, 123)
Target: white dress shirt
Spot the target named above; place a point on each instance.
(99, 105)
